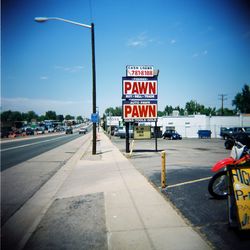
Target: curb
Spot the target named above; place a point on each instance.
(18, 229)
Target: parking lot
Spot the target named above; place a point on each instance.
(188, 164)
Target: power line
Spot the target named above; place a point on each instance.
(222, 98)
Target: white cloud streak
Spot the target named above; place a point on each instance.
(72, 69)
(198, 54)
(44, 78)
(140, 41)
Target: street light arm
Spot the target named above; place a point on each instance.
(44, 19)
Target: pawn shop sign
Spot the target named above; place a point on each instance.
(139, 88)
(140, 111)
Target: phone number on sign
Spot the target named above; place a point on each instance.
(140, 72)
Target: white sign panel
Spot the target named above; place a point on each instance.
(140, 71)
(113, 120)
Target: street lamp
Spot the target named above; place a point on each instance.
(44, 19)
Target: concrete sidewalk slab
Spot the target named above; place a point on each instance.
(80, 222)
(137, 215)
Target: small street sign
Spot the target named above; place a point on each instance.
(94, 117)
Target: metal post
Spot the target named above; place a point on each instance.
(109, 130)
(156, 149)
(94, 87)
(127, 137)
(163, 169)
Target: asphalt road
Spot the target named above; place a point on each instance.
(188, 165)
(27, 164)
(19, 150)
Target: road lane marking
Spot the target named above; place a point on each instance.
(189, 182)
(29, 144)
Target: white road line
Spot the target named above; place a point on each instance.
(188, 182)
(26, 145)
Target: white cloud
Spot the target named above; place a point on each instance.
(72, 69)
(173, 41)
(142, 40)
(208, 29)
(44, 78)
(198, 54)
(195, 55)
(205, 52)
(40, 106)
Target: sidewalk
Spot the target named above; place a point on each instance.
(105, 203)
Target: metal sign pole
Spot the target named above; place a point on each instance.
(156, 149)
(127, 137)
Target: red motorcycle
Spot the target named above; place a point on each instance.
(218, 184)
(232, 181)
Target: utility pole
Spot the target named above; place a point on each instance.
(222, 98)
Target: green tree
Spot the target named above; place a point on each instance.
(60, 118)
(226, 112)
(41, 118)
(50, 115)
(160, 113)
(30, 115)
(79, 118)
(11, 116)
(168, 110)
(191, 107)
(69, 117)
(117, 111)
(209, 111)
(242, 100)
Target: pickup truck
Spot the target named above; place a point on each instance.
(226, 133)
(241, 134)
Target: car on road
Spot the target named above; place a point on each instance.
(5, 132)
(82, 131)
(40, 130)
(51, 130)
(69, 130)
(171, 134)
(29, 131)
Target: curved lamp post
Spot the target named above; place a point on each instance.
(44, 19)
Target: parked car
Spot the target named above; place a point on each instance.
(69, 130)
(29, 131)
(172, 135)
(5, 132)
(226, 133)
(51, 130)
(82, 131)
(122, 132)
(40, 130)
(241, 137)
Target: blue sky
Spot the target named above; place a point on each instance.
(201, 47)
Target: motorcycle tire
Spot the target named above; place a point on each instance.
(218, 185)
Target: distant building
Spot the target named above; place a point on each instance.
(188, 126)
